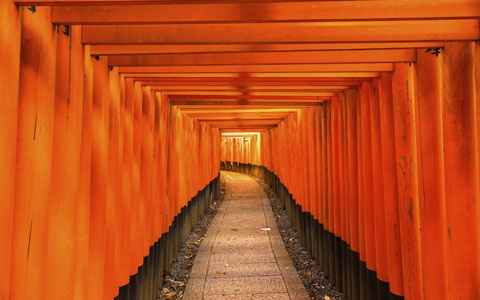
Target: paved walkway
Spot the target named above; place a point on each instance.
(237, 260)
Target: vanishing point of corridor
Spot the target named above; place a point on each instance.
(359, 120)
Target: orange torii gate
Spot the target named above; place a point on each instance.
(365, 116)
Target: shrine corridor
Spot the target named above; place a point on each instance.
(361, 118)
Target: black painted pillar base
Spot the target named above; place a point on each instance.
(341, 265)
(146, 283)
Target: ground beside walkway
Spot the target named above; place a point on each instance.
(237, 259)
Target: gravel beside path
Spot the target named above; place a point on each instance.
(313, 278)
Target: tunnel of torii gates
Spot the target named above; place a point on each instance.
(116, 117)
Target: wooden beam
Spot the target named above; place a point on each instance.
(249, 103)
(233, 110)
(234, 96)
(129, 2)
(285, 68)
(243, 133)
(278, 33)
(309, 11)
(246, 121)
(247, 79)
(170, 49)
(221, 115)
(247, 131)
(178, 76)
(246, 127)
(237, 95)
(334, 56)
(241, 120)
(218, 115)
(247, 83)
(168, 89)
(234, 123)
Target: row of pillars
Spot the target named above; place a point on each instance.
(147, 282)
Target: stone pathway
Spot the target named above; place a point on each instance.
(237, 259)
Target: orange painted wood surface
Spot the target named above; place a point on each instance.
(108, 131)
(286, 68)
(390, 189)
(81, 124)
(461, 171)
(10, 39)
(378, 185)
(34, 156)
(268, 33)
(252, 58)
(272, 12)
(404, 98)
(432, 199)
(206, 48)
(396, 127)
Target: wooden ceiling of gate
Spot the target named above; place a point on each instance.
(243, 65)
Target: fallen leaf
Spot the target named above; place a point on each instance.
(220, 272)
(227, 265)
(165, 291)
(265, 229)
(234, 229)
(213, 253)
(170, 295)
(179, 283)
(327, 298)
(189, 265)
(286, 268)
(309, 274)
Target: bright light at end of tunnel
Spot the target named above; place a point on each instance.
(239, 134)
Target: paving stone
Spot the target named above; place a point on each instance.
(295, 288)
(239, 261)
(244, 285)
(237, 247)
(242, 239)
(194, 290)
(245, 257)
(242, 232)
(226, 270)
(199, 270)
(273, 296)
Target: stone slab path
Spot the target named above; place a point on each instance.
(238, 260)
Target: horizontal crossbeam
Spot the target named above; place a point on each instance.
(283, 33)
(284, 68)
(169, 49)
(331, 57)
(309, 11)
